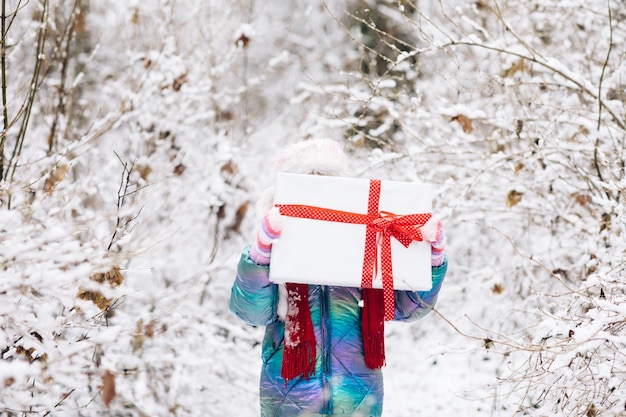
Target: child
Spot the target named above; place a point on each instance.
(317, 339)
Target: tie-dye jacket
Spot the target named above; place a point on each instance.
(342, 384)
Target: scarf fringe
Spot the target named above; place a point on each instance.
(298, 361)
(373, 328)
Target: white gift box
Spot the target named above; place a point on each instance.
(311, 251)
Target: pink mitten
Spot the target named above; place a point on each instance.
(433, 232)
(271, 226)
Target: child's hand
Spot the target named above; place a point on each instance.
(271, 227)
(433, 233)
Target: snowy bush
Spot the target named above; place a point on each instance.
(516, 111)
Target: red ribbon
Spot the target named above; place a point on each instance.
(405, 228)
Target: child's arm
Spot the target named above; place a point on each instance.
(412, 305)
(253, 297)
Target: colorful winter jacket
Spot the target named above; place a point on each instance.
(342, 385)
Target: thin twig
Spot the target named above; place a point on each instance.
(3, 69)
(596, 163)
(122, 193)
(5, 116)
(65, 63)
(606, 63)
(32, 91)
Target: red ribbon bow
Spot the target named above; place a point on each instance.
(405, 228)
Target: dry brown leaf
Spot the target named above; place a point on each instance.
(226, 115)
(240, 214)
(582, 198)
(497, 289)
(243, 41)
(113, 276)
(148, 330)
(179, 169)
(229, 168)
(30, 354)
(465, 122)
(79, 24)
(605, 223)
(591, 411)
(138, 337)
(221, 211)
(144, 171)
(134, 17)
(518, 66)
(179, 81)
(108, 388)
(513, 198)
(95, 297)
(55, 177)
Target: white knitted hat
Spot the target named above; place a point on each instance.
(314, 156)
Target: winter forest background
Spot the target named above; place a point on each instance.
(137, 136)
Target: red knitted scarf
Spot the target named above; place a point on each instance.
(299, 349)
